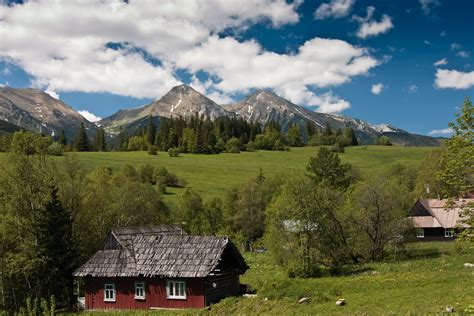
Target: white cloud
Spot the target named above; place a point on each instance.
(333, 9)
(443, 34)
(52, 93)
(91, 117)
(413, 88)
(70, 39)
(463, 54)
(377, 88)
(444, 131)
(239, 66)
(71, 52)
(428, 5)
(440, 62)
(454, 79)
(369, 27)
(456, 46)
(427, 42)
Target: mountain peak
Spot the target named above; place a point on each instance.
(182, 88)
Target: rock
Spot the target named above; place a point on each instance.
(449, 309)
(469, 265)
(304, 300)
(249, 295)
(341, 302)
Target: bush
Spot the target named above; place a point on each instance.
(251, 146)
(55, 149)
(152, 150)
(173, 152)
(233, 145)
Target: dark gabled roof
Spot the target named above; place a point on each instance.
(160, 251)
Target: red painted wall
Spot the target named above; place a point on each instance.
(155, 294)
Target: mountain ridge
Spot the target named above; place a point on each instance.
(260, 106)
(37, 111)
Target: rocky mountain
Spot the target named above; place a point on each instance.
(261, 106)
(179, 101)
(37, 111)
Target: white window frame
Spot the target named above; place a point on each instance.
(420, 233)
(448, 232)
(172, 286)
(110, 294)
(140, 286)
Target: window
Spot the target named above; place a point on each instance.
(420, 233)
(448, 232)
(139, 290)
(176, 289)
(109, 292)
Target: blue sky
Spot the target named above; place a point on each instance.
(405, 63)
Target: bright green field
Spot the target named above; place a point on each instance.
(212, 175)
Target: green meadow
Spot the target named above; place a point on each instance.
(212, 175)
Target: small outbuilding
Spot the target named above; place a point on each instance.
(160, 267)
(436, 219)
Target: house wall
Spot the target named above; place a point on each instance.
(220, 286)
(155, 294)
(433, 234)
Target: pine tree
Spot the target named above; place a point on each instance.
(53, 229)
(150, 130)
(62, 138)
(82, 141)
(100, 140)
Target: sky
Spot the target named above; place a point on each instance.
(405, 63)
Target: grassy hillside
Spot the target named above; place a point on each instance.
(211, 175)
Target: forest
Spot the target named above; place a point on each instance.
(55, 214)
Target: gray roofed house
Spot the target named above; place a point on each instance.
(201, 269)
(436, 219)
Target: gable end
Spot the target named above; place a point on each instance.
(419, 210)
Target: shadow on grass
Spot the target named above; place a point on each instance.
(409, 253)
(351, 270)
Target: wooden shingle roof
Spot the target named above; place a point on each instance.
(160, 251)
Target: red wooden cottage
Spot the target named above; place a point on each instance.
(434, 219)
(160, 267)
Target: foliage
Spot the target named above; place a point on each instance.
(100, 141)
(457, 172)
(377, 214)
(383, 141)
(137, 143)
(173, 152)
(82, 141)
(304, 230)
(55, 149)
(233, 145)
(28, 143)
(152, 150)
(325, 168)
(294, 136)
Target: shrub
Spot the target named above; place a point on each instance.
(55, 149)
(251, 146)
(173, 152)
(233, 145)
(152, 150)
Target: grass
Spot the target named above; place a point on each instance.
(423, 280)
(212, 175)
